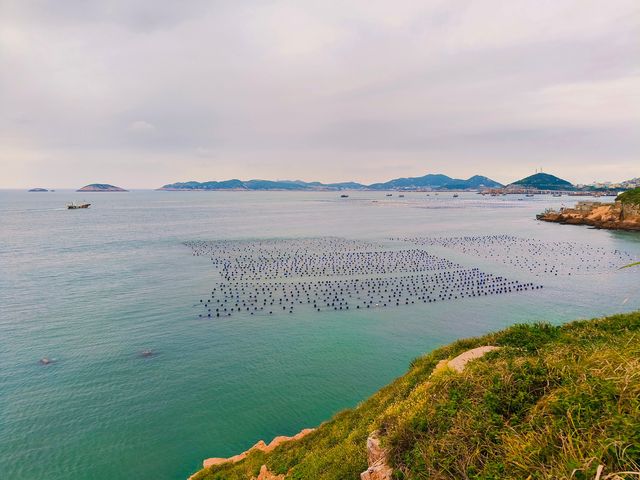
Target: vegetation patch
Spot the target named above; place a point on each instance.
(630, 196)
(553, 402)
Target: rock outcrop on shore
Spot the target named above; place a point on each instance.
(379, 468)
(613, 216)
(261, 446)
(377, 456)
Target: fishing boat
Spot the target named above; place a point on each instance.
(389, 194)
(74, 206)
(344, 195)
(455, 195)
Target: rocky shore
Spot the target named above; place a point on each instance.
(613, 216)
(261, 446)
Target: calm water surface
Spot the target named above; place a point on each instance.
(93, 288)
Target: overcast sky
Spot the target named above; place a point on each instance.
(142, 93)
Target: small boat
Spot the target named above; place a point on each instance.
(344, 195)
(389, 194)
(401, 196)
(74, 206)
(529, 195)
(455, 195)
(557, 195)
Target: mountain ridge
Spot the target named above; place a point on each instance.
(429, 181)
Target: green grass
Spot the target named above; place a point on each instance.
(630, 196)
(555, 402)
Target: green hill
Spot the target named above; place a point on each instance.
(544, 181)
(630, 196)
(436, 181)
(553, 402)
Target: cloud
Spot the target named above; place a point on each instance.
(141, 127)
(317, 90)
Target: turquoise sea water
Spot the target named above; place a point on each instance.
(93, 288)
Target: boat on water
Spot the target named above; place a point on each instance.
(455, 195)
(344, 195)
(74, 206)
(557, 195)
(529, 195)
(401, 196)
(389, 194)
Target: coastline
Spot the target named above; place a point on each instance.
(518, 395)
(612, 216)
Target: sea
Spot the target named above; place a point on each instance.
(139, 384)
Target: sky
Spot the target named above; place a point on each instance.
(140, 93)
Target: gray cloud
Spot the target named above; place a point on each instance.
(148, 92)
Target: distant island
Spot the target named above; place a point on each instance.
(101, 187)
(544, 181)
(539, 183)
(427, 182)
(623, 214)
(437, 181)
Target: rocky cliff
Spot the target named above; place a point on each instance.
(614, 216)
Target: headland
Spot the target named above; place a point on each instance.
(623, 214)
(498, 406)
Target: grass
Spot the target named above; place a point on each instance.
(555, 402)
(630, 196)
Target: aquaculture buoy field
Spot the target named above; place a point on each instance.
(171, 326)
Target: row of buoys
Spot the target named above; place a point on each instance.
(295, 246)
(281, 276)
(249, 297)
(254, 263)
(532, 255)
